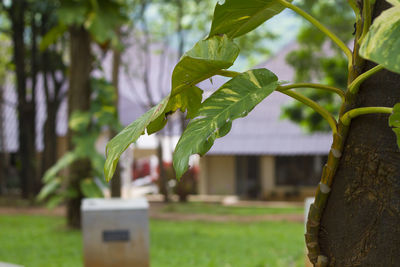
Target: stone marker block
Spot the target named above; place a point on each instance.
(115, 232)
(307, 203)
(5, 264)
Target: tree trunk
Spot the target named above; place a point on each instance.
(49, 157)
(162, 177)
(78, 100)
(53, 101)
(360, 225)
(26, 106)
(116, 181)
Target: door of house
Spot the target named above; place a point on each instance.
(248, 184)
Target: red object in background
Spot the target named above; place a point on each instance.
(141, 168)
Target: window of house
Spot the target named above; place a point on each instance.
(248, 183)
(299, 170)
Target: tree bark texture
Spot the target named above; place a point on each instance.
(116, 181)
(78, 100)
(360, 225)
(26, 102)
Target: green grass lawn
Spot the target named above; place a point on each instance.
(206, 208)
(43, 241)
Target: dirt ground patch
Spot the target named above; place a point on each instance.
(157, 213)
(59, 211)
(227, 218)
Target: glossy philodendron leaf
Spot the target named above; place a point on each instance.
(237, 17)
(214, 119)
(394, 122)
(189, 99)
(128, 135)
(201, 62)
(394, 2)
(382, 42)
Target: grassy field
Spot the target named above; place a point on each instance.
(205, 208)
(43, 241)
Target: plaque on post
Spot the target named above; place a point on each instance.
(115, 232)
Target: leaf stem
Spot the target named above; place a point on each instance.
(348, 116)
(367, 19)
(355, 85)
(356, 9)
(315, 106)
(228, 73)
(316, 86)
(321, 27)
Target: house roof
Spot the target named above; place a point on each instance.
(263, 132)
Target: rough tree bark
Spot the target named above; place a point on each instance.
(360, 225)
(78, 99)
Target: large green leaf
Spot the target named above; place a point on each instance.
(214, 119)
(382, 43)
(394, 121)
(203, 61)
(189, 99)
(237, 17)
(128, 135)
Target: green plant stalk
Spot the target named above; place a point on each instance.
(321, 27)
(316, 86)
(228, 73)
(317, 208)
(355, 8)
(351, 114)
(355, 85)
(315, 106)
(367, 19)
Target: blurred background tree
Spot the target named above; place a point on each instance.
(60, 44)
(25, 23)
(317, 59)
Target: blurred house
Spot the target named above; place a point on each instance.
(264, 156)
